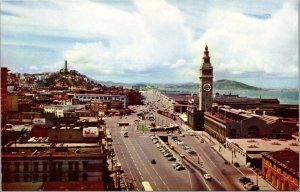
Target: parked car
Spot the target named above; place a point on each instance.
(254, 188)
(180, 167)
(207, 176)
(244, 180)
(236, 164)
(171, 158)
(174, 165)
(168, 155)
(251, 187)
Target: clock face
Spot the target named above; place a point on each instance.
(206, 87)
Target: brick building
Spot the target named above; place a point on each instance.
(97, 105)
(46, 162)
(281, 169)
(4, 73)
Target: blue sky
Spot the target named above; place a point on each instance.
(255, 42)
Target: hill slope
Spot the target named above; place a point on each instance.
(232, 85)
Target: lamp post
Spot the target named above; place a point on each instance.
(256, 170)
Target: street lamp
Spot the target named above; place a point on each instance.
(256, 170)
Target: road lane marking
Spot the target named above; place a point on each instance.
(190, 180)
(139, 173)
(151, 166)
(128, 167)
(143, 164)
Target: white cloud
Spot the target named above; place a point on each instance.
(241, 45)
(155, 41)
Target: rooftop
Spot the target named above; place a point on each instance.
(286, 158)
(264, 144)
(43, 149)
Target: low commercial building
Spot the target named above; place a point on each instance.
(225, 122)
(250, 150)
(97, 105)
(88, 97)
(49, 162)
(59, 110)
(75, 134)
(176, 102)
(281, 169)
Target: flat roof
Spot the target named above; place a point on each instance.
(287, 158)
(20, 127)
(264, 145)
(57, 150)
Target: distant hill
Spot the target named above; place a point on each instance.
(223, 84)
(233, 85)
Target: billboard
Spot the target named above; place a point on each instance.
(90, 132)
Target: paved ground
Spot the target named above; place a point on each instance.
(226, 154)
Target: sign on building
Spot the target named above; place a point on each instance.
(90, 132)
(39, 121)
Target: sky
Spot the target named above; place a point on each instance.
(157, 41)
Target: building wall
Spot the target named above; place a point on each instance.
(97, 106)
(195, 119)
(12, 103)
(215, 129)
(41, 169)
(69, 135)
(88, 97)
(253, 123)
(4, 72)
(278, 177)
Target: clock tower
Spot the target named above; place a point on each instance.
(206, 83)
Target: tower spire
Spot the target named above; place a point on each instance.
(206, 58)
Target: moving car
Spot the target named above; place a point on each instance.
(207, 176)
(153, 161)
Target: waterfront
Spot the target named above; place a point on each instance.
(288, 96)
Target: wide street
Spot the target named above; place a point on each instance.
(136, 151)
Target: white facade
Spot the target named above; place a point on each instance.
(59, 110)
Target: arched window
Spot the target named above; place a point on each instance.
(233, 133)
(278, 132)
(253, 132)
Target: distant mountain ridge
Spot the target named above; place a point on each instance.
(222, 84)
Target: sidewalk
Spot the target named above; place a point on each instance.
(226, 154)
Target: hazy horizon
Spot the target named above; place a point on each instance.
(253, 42)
